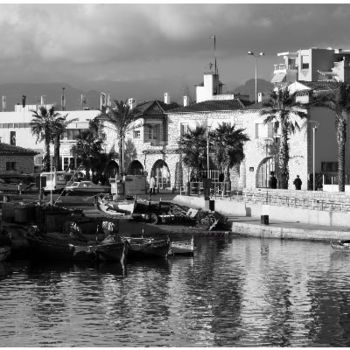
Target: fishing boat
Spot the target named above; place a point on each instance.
(147, 247)
(58, 246)
(5, 252)
(341, 245)
(115, 208)
(185, 248)
(112, 249)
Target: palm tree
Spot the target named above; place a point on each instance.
(42, 128)
(193, 144)
(59, 127)
(282, 110)
(228, 147)
(338, 101)
(121, 117)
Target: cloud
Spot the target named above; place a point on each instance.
(121, 41)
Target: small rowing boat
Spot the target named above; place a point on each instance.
(182, 248)
(148, 247)
(115, 208)
(341, 245)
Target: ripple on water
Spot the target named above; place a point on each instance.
(236, 292)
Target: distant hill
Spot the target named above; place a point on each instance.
(248, 88)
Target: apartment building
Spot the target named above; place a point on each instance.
(313, 64)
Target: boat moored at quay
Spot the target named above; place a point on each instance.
(57, 233)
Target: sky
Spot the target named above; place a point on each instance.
(88, 44)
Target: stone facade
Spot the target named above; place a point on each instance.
(23, 164)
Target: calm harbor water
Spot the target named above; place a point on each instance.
(233, 292)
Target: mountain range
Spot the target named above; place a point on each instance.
(141, 91)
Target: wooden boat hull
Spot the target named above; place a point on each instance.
(5, 252)
(181, 248)
(116, 251)
(147, 248)
(49, 248)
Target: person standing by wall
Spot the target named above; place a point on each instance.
(297, 183)
(272, 180)
(19, 187)
(152, 185)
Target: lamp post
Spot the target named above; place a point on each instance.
(208, 156)
(251, 53)
(314, 124)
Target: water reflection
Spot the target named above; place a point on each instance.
(233, 292)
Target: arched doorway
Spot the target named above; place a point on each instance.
(263, 172)
(135, 168)
(160, 172)
(112, 169)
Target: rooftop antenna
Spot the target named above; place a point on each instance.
(63, 100)
(214, 47)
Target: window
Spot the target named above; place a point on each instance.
(137, 134)
(305, 62)
(10, 166)
(329, 167)
(263, 130)
(38, 160)
(13, 138)
(152, 132)
(183, 129)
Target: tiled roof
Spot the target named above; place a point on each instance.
(320, 85)
(9, 150)
(255, 105)
(212, 105)
(151, 106)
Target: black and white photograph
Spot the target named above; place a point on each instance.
(174, 174)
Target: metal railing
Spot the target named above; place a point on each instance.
(313, 200)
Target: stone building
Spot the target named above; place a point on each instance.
(16, 160)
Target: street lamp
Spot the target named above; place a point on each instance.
(208, 150)
(251, 53)
(314, 124)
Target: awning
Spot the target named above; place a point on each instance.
(279, 77)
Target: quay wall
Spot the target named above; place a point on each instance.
(231, 207)
(260, 231)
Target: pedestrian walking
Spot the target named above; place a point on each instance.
(297, 183)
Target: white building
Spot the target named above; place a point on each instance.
(15, 130)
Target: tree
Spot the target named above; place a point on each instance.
(282, 110)
(121, 117)
(193, 144)
(42, 127)
(228, 143)
(59, 126)
(89, 146)
(338, 101)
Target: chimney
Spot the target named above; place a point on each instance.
(131, 102)
(185, 101)
(42, 100)
(24, 97)
(260, 96)
(166, 98)
(3, 100)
